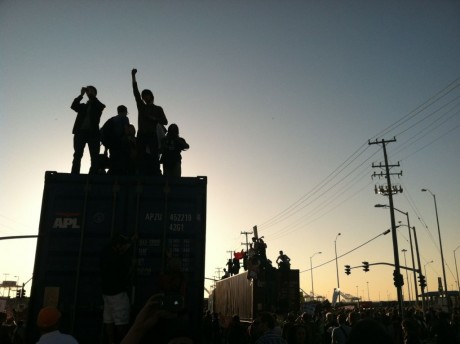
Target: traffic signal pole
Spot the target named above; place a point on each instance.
(422, 285)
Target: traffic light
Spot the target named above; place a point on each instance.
(18, 293)
(398, 279)
(421, 281)
(23, 293)
(366, 266)
(347, 269)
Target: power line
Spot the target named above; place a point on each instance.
(315, 195)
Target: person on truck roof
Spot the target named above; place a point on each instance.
(283, 261)
(86, 129)
(150, 119)
(171, 147)
(114, 136)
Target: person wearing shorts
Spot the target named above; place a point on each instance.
(115, 269)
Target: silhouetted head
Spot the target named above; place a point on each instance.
(369, 331)
(91, 91)
(147, 96)
(342, 318)
(48, 319)
(122, 110)
(131, 130)
(298, 334)
(265, 320)
(173, 130)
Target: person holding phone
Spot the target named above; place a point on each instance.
(86, 128)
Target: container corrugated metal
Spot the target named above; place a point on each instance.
(167, 218)
(274, 291)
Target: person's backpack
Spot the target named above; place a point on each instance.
(107, 133)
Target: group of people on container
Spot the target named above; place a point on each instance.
(336, 326)
(125, 153)
(255, 260)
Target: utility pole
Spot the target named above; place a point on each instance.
(247, 241)
(389, 190)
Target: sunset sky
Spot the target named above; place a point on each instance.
(277, 99)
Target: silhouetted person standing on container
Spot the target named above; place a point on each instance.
(149, 116)
(86, 128)
(114, 136)
(172, 145)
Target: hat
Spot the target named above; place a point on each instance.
(48, 317)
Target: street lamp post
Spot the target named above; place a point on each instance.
(368, 297)
(440, 247)
(311, 271)
(456, 269)
(407, 275)
(337, 264)
(426, 277)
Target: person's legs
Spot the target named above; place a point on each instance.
(110, 332)
(121, 311)
(177, 170)
(116, 163)
(108, 321)
(94, 145)
(79, 143)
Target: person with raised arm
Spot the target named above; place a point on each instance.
(151, 120)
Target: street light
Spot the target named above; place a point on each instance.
(337, 264)
(411, 246)
(440, 247)
(426, 277)
(407, 275)
(456, 269)
(311, 271)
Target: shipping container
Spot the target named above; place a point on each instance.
(166, 220)
(274, 291)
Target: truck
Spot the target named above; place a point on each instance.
(274, 290)
(164, 217)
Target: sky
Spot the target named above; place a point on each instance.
(278, 101)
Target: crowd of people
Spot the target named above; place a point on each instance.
(336, 326)
(324, 325)
(124, 152)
